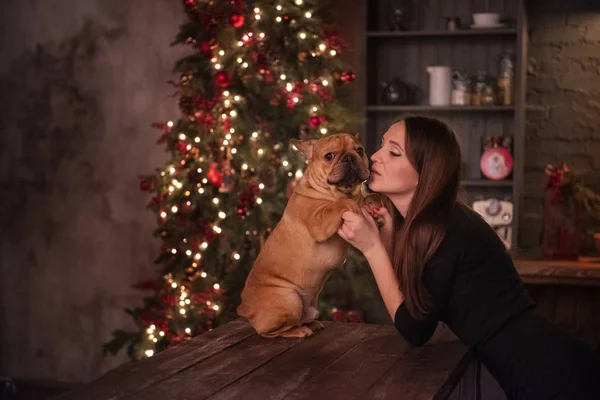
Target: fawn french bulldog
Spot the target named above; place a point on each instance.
(281, 292)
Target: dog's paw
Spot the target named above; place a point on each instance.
(297, 332)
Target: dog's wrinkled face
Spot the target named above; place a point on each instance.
(338, 161)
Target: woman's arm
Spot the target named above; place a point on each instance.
(361, 232)
(417, 333)
(387, 281)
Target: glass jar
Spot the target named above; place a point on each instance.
(461, 89)
(483, 91)
(506, 78)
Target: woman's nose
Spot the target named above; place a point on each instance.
(375, 156)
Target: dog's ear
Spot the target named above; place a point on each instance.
(305, 146)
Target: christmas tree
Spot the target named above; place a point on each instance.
(259, 73)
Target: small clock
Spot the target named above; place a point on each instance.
(496, 163)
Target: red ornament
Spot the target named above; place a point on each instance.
(181, 147)
(223, 79)
(145, 185)
(168, 301)
(237, 20)
(316, 120)
(147, 284)
(205, 48)
(215, 177)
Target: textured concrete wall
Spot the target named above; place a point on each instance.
(563, 98)
(80, 83)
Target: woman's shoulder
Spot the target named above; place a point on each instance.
(468, 227)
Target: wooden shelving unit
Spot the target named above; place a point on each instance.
(406, 54)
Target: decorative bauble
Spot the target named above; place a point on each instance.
(237, 20)
(223, 79)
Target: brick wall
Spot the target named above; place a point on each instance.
(563, 99)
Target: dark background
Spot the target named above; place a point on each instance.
(80, 83)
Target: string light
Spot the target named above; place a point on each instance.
(149, 353)
(174, 251)
(259, 200)
(308, 15)
(299, 2)
(323, 130)
(222, 215)
(203, 274)
(173, 285)
(181, 136)
(279, 8)
(216, 286)
(170, 124)
(215, 200)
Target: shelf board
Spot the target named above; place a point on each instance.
(461, 32)
(378, 108)
(485, 183)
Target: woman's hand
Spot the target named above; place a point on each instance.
(360, 230)
(385, 223)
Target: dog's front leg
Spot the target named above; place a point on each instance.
(325, 221)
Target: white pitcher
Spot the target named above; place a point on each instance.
(440, 85)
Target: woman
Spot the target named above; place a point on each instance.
(435, 259)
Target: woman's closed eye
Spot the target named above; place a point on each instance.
(395, 154)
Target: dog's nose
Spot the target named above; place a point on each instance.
(348, 158)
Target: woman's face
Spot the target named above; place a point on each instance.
(391, 172)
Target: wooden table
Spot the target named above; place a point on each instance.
(583, 272)
(342, 361)
(567, 292)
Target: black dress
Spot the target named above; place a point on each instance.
(481, 298)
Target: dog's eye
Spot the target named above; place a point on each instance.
(360, 151)
(329, 156)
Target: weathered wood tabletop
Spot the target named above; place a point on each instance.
(342, 361)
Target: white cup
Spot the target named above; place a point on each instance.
(486, 19)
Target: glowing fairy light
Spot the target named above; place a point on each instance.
(174, 251)
(170, 124)
(149, 353)
(216, 286)
(204, 245)
(181, 136)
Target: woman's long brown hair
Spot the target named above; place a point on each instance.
(433, 150)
